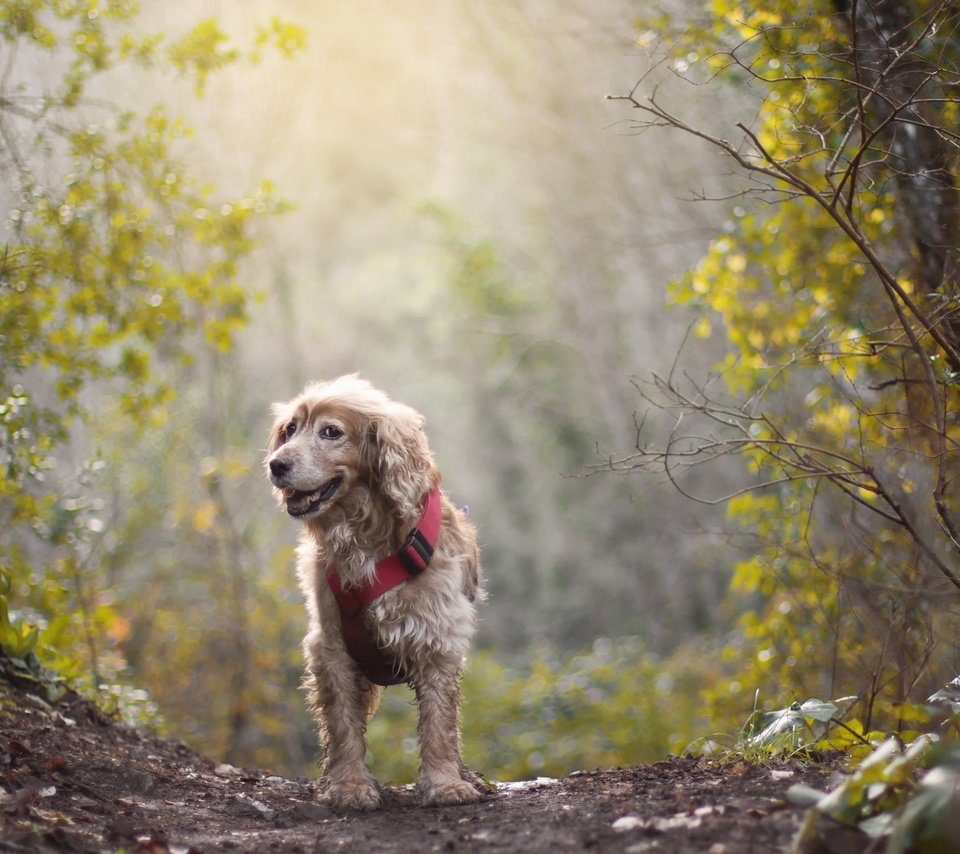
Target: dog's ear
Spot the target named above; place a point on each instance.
(398, 457)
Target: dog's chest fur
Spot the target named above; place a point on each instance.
(426, 619)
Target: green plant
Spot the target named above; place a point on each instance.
(771, 735)
(784, 731)
(889, 797)
(17, 640)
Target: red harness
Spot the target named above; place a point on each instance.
(412, 559)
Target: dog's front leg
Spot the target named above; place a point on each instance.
(441, 769)
(342, 700)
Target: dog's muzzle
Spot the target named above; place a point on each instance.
(300, 504)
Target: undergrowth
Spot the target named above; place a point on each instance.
(903, 791)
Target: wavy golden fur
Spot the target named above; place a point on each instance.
(355, 467)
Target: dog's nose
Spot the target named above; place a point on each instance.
(279, 467)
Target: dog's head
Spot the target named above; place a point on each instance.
(340, 437)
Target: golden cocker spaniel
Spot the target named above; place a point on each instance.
(390, 572)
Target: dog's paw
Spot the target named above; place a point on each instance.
(478, 781)
(360, 796)
(441, 793)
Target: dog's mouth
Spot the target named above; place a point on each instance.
(300, 504)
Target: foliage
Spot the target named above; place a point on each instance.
(119, 271)
(887, 798)
(903, 790)
(836, 286)
(215, 618)
(773, 733)
(19, 661)
(610, 705)
(801, 729)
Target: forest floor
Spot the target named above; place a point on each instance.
(73, 780)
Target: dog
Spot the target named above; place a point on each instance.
(354, 467)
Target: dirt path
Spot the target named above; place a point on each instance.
(71, 780)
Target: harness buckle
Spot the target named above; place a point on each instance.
(416, 552)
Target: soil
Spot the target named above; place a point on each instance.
(73, 780)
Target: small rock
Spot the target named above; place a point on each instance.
(708, 810)
(527, 785)
(274, 780)
(241, 805)
(225, 770)
(628, 822)
(676, 822)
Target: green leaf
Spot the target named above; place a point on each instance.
(818, 710)
(924, 816)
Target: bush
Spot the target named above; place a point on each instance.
(613, 704)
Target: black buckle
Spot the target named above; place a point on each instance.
(416, 553)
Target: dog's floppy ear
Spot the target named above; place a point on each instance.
(397, 455)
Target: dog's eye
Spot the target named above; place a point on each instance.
(289, 430)
(330, 432)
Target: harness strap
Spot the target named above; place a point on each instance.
(412, 559)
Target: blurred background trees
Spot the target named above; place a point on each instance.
(120, 293)
(467, 222)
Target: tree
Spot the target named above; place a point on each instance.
(837, 288)
(119, 269)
